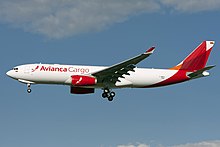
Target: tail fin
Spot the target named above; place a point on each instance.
(197, 59)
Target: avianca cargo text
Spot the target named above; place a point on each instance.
(54, 68)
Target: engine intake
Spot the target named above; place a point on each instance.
(81, 80)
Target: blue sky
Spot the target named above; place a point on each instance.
(104, 33)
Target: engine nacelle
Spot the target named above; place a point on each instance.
(79, 90)
(81, 80)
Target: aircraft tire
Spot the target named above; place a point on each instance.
(104, 94)
(112, 94)
(110, 98)
(106, 90)
(29, 90)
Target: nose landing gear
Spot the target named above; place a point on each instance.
(29, 88)
(108, 94)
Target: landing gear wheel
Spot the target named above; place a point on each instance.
(29, 90)
(108, 94)
(110, 98)
(106, 90)
(112, 94)
(104, 95)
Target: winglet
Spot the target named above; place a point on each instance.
(150, 50)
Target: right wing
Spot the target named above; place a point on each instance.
(112, 73)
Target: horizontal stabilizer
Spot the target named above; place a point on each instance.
(200, 73)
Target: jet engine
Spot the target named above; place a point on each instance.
(82, 80)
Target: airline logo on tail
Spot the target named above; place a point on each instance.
(197, 59)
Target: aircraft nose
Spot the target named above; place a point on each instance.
(9, 73)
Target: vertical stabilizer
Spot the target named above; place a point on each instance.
(197, 59)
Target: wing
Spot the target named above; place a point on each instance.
(111, 74)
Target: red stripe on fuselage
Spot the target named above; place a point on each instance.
(178, 77)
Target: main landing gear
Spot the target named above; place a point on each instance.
(29, 88)
(108, 94)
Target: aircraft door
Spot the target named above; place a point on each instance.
(27, 70)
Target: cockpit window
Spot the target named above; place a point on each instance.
(15, 68)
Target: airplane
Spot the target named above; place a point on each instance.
(85, 79)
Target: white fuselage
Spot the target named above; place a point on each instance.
(61, 74)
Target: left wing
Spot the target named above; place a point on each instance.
(112, 73)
